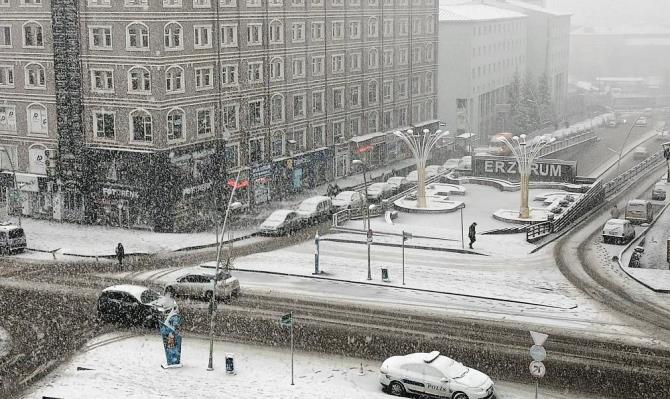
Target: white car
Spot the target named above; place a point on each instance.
(315, 209)
(431, 170)
(379, 191)
(452, 163)
(641, 122)
(198, 282)
(465, 163)
(348, 200)
(281, 221)
(434, 375)
(640, 153)
(397, 182)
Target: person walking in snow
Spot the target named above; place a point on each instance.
(471, 234)
(119, 253)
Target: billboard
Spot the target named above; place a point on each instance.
(506, 168)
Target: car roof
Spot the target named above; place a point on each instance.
(282, 212)
(134, 290)
(8, 227)
(315, 200)
(617, 221)
(638, 202)
(378, 184)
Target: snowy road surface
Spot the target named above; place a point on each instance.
(130, 368)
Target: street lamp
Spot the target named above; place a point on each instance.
(231, 206)
(421, 145)
(526, 154)
(368, 208)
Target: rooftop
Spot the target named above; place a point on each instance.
(533, 7)
(475, 12)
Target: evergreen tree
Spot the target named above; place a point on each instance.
(529, 110)
(544, 99)
(514, 99)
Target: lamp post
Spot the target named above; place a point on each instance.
(421, 145)
(666, 155)
(367, 211)
(526, 154)
(231, 206)
(405, 237)
(618, 161)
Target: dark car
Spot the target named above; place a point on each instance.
(133, 305)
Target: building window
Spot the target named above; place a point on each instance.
(168, 3)
(140, 126)
(201, 4)
(229, 35)
(102, 80)
(429, 82)
(355, 3)
(388, 57)
(373, 3)
(402, 88)
(255, 114)
(256, 150)
(277, 144)
(204, 121)
(6, 76)
(338, 131)
(402, 117)
(253, 3)
(387, 120)
(337, 30)
(354, 29)
(137, 37)
(203, 78)
(430, 54)
(338, 63)
(317, 31)
(388, 27)
(299, 106)
(230, 117)
(355, 60)
(373, 29)
(276, 32)
(139, 80)
(100, 37)
(7, 118)
(103, 123)
(173, 36)
(373, 58)
(298, 32)
(277, 69)
(416, 85)
(403, 28)
(416, 55)
(298, 3)
(318, 102)
(355, 126)
(402, 56)
(174, 78)
(32, 35)
(276, 3)
(338, 99)
(175, 125)
(372, 122)
(255, 72)
(372, 92)
(317, 65)
(202, 36)
(416, 26)
(254, 34)
(38, 122)
(35, 78)
(300, 139)
(355, 96)
(298, 67)
(319, 135)
(430, 25)
(5, 36)
(232, 155)
(388, 91)
(277, 109)
(229, 74)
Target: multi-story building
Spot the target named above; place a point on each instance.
(156, 104)
(481, 48)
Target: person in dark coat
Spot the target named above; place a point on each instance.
(471, 234)
(336, 190)
(119, 253)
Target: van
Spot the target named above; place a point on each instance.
(639, 211)
(658, 192)
(12, 239)
(618, 231)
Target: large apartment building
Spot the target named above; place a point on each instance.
(154, 104)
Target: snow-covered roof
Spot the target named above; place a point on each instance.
(533, 7)
(315, 200)
(475, 12)
(366, 137)
(134, 290)
(624, 30)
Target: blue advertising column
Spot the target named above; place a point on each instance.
(172, 339)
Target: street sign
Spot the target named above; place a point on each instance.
(286, 320)
(369, 235)
(537, 369)
(538, 338)
(538, 353)
(406, 235)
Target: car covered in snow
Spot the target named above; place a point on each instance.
(379, 191)
(348, 200)
(641, 122)
(280, 222)
(431, 170)
(316, 209)
(434, 375)
(452, 163)
(133, 305)
(398, 183)
(198, 282)
(618, 231)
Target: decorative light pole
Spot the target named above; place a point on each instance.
(421, 145)
(526, 154)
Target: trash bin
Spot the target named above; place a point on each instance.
(385, 274)
(230, 363)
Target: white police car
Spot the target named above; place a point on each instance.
(435, 375)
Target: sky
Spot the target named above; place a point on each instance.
(611, 13)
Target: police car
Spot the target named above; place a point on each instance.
(435, 375)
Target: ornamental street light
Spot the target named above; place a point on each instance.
(368, 208)
(526, 153)
(421, 145)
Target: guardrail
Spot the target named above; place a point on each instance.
(568, 142)
(625, 179)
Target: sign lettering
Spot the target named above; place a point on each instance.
(507, 168)
(120, 192)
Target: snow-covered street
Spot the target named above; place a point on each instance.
(126, 366)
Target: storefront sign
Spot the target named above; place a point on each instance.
(200, 188)
(27, 182)
(120, 193)
(261, 171)
(193, 155)
(507, 168)
(365, 148)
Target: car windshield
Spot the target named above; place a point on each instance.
(307, 207)
(149, 296)
(278, 216)
(449, 367)
(343, 197)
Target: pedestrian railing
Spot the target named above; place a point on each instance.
(568, 142)
(627, 178)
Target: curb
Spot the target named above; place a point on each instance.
(407, 246)
(403, 288)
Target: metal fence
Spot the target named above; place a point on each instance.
(572, 141)
(625, 179)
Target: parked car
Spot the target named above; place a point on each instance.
(349, 200)
(316, 209)
(658, 192)
(465, 163)
(412, 176)
(197, 283)
(452, 163)
(641, 122)
(613, 123)
(648, 112)
(280, 222)
(663, 134)
(618, 231)
(639, 211)
(12, 239)
(640, 153)
(434, 170)
(379, 191)
(133, 305)
(398, 183)
(434, 375)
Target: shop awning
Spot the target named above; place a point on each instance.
(366, 137)
(122, 149)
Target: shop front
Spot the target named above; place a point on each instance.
(372, 146)
(122, 205)
(341, 160)
(262, 182)
(301, 171)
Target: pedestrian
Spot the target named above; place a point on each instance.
(471, 233)
(119, 253)
(615, 212)
(336, 190)
(329, 190)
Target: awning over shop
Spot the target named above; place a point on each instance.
(367, 137)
